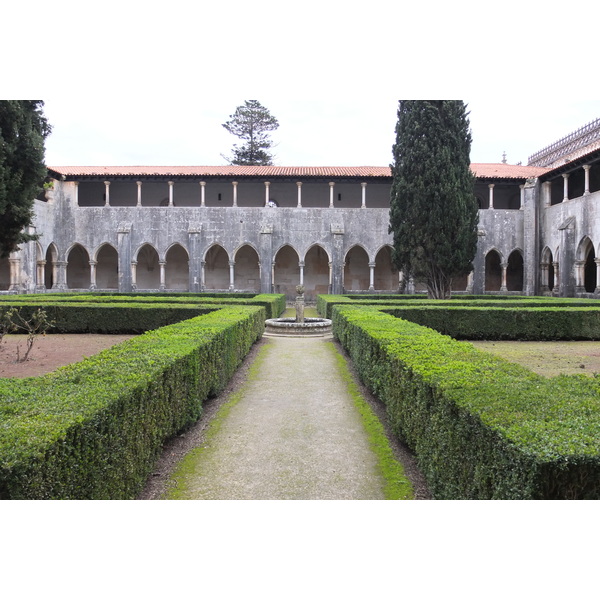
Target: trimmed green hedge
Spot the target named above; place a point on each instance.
(274, 304)
(93, 430)
(481, 427)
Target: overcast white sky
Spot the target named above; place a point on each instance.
(134, 83)
(147, 82)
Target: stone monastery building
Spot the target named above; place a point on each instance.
(268, 229)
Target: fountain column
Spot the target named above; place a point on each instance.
(300, 304)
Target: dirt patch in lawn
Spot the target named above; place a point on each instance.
(51, 351)
(549, 358)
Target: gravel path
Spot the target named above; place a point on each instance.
(286, 428)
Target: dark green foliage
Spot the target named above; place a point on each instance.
(130, 313)
(250, 123)
(433, 209)
(481, 427)
(93, 430)
(23, 129)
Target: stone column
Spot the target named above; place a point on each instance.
(170, 193)
(301, 265)
(134, 275)
(272, 277)
(139, 193)
(491, 188)
(299, 184)
(15, 268)
(371, 276)
(124, 252)
(586, 169)
(162, 264)
(265, 257)
(203, 193)
(267, 184)
(93, 264)
(597, 290)
(522, 196)
(231, 275)
(41, 276)
(565, 187)
(363, 203)
(556, 288)
(202, 275)
(61, 274)
(195, 275)
(545, 289)
(234, 184)
(54, 275)
(106, 193)
(579, 276)
(76, 193)
(547, 193)
(331, 186)
(503, 287)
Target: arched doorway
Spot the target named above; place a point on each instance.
(78, 268)
(147, 269)
(107, 268)
(547, 271)
(216, 269)
(589, 270)
(493, 272)
(316, 273)
(286, 272)
(50, 267)
(386, 274)
(177, 273)
(356, 270)
(247, 270)
(514, 272)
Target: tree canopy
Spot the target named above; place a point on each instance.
(250, 123)
(23, 130)
(433, 209)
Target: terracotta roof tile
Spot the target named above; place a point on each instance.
(226, 171)
(482, 170)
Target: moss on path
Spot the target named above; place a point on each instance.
(297, 429)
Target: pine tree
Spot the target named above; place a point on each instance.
(433, 209)
(23, 129)
(251, 122)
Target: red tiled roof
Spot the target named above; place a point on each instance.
(226, 171)
(505, 171)
(482, 170)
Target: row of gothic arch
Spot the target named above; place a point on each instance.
(100, 269)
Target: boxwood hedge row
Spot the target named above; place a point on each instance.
(93, 430)
(274, 304)
(481, 427)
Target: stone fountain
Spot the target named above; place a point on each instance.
(298, 326)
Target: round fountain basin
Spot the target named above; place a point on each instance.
(288, 326)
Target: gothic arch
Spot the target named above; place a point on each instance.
(147, 268)
(493, 271)
(107, 267)
(247, 269)
(547, 270)
(316, 272)
(286, 271)
(586, 254)
(356, 269)
(51, 267)
(386, 274)
(78, 267)
(515, 271)
(216, 268)
(177, 271)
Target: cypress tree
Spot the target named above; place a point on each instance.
(23, 129)
(433, 209)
